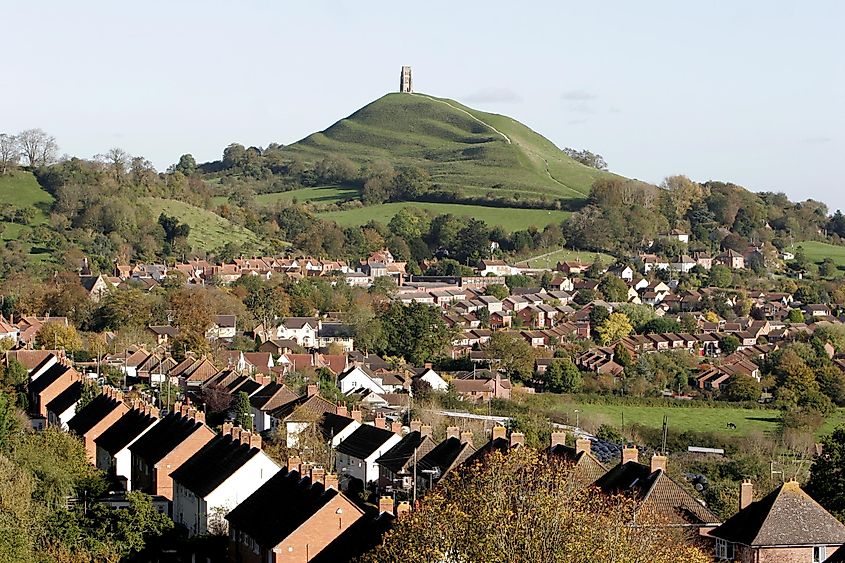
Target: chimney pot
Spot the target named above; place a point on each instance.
(466, 437)
(498, 432)
(403, 509)
(658, 461)
(356, 415)
(396, 427)
(517, 439)
(236, 433)
(453, 432)
(385, 504)
(342, 410)
(255, 440)
(244, 436)
(294, 463)
(746, 494)
(331, 481)
(583, 445)
(415, 425)
(227, 427)
(153, 411)
(630, 454)
(380, 422)
(558, 439)
(425, 429)
(318, 475)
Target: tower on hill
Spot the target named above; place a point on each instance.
(405, 80)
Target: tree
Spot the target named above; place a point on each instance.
(10, 153)
(720, 276)
(563, 377)
(613, 289)
(512, 354)
(827, 474)
(795, 316)
(187, 165)
(56, 335)
(497, 290)
(524, 506)
(586, 158)
(415, 332)
(472, 243)
(742, 388)
(192, 312)
(828, 268)
(172, 228)
(661, 325)
(728, 344)
(615, 327)
(243, 411)
(38, 147)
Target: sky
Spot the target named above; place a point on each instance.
(751, 92)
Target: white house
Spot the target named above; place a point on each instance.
(63, 406)
(113, 455)
(357, 454)
(495, 268)
(684, 264)
(218, 478)
(336, 427)
(359, 377)
(303, 330)
(335, 333)
(223, 327)
(433, 379)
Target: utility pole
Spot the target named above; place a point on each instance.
(415, 478)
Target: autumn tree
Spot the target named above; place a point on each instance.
(827, 475)
(510, 353)
(562, 376)
(57, 336)
(38, 148)
(616, 326)
(192, 312)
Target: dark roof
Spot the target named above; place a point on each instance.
(364, 441)
(335, 330)
(658, 493)
(249, 387)
(359, 538)
(499, 444)
(47, 378)
(333, 424)
(786, 516)
(95, 411)
(66, 399)
(218, 460)
(121, 433)
(446, 454)
(304, 409)
(37, 366)
(587, 468)
(278, 507)
(274, 395)
(161, 440)
(397, 457)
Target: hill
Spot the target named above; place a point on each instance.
(463, 149)
(21, 190)
(208, 230)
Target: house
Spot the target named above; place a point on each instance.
(162, 450)
(63, 407)
(676, 235)
(335, 428)
(96, 417)
(357, 455)
(95, 286)
(221, 475)
(624, 272)
(278, 347)
(572, 267)
(684, 264)
(431, 377)
(8, 331)
(456, 449)
(266, 400)
(290, 518)
(223, 327)
(359, 377)
(47, 382)
(335, 333)
(113, 454)
(586, 468)
(482, 387)
(300, 414)
(732, 259)
(395, 466)
(302, 330)
(494, 268)
(785, 525)
(163, 333)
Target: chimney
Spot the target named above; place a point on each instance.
(658, 461)
(385, 504)
(192, 413)
(318, 475)
(244, 436)
(415, 425)
(380, 422)
(403, 509)
(227, 427)
(517, 439)
(466, 437)
(498, 432)
(356, 415)
(630, 454)
(427, 365)
(396, 427)
(558, 439)
(583, 445)
(236, 433)
(152, 411)
(177, 407)
(342, 410)
(453, 432)
(255, 440)
(746, 494)
(262, 379)
(425, 429)
(331, 481)
(294, 463)
(311, 390)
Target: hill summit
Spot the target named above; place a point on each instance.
(466, 150)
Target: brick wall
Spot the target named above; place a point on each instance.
(163, 483)
(99, 428)
(779, 555)
(54, 390)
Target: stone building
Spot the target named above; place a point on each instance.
(405, 80)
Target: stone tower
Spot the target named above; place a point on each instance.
(405, 80)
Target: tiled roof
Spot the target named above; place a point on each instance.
(95, 411)
(304, 409)
(364, 441)
(787, 516)
(446, 455)
(587, 468)
(401, 455)
(272, 396)
(333, 424)
(218, 460)
(121, 433)
(164, 438)
(66, 399)
(47, 378)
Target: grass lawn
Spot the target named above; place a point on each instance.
(508, 218)
(550, 259)
(818, 251)
(208, 230)
(321, 194)
(703, 419)
(21, 189)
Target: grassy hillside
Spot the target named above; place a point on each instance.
(818, 251)
(208, 230)
(510, 219)
(550, 259)
(462, 148)
(21, 189)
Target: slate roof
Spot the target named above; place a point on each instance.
(401, 455)
(66, 399)
(95, 411)
(333, 424)
(164, 438)
(364, 441)
(215, 462)
(446, 455)
(499, 444)
(121, 433)
(280, 506)
(272, 396)
(658, 493)
(786, 516)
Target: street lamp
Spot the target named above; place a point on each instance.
(576, 418)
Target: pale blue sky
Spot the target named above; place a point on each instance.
(751, 92)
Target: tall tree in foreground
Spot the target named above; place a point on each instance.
(827, 475)
(523, 506)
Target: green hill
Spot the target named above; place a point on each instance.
(465, 149)
(208, 230)
(20, 189)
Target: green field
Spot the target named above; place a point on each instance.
(818, 251)
(208, 230)
(508, 218)
(550, 260)
(321, 195)
(472, 151)
(21, 189)
(704, 419)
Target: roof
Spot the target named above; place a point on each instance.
(304, 409)
(657, 492)
(397, 457)
(362, 536)
(447, 454)
(95, 411)
(66, 399)
(333, 424)
(587, 468)
(47, 378)
(164, 438)
(30, 358)
(261, 517)
(786, 516)
(271, 396)
(213, 464)
(121, 433)
(366, 439)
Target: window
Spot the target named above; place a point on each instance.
(724, 550)
(819, 553)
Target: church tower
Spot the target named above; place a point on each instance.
(405, 80)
